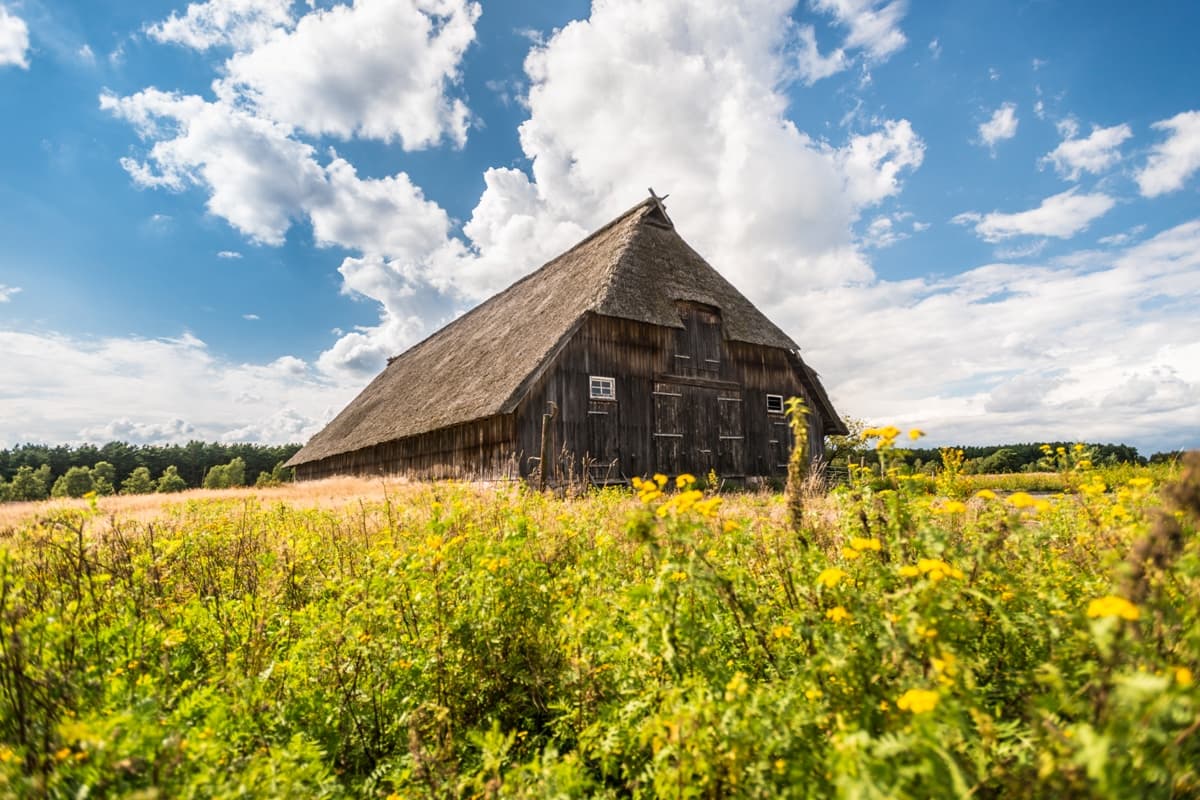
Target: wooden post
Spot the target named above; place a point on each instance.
(547, 435)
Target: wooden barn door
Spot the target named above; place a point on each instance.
(731, 445)
(603, 441)
(668, 428)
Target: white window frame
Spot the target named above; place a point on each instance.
(597, 381)
(778, 397)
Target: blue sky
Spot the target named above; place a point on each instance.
(218, 219)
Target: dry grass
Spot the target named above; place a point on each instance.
(328, 493)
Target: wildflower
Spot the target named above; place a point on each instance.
(730, 526)
(1112, 606)
(849, 553)
(884, 705)
(1140, 483)
(986, 494)
(830, 577)
(660, 479)
(936, 569)
(915, 433)
(1021, 500)
(781, 631)
(951, 507)
(62, 754)
(813, 694)
(837, 614)
(679, 576)
(708, 508)
(684, 481)
(737, 686)
(860, 543)
(918, 701)
(1183, 676)
(780, 765)
(909, 571)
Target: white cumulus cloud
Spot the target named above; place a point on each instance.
(1094, 153)
(14, 40)
(1061, 215)
(377, 69)
(1002, 125)
(241, 24)
(1173, 160)
(7, 292)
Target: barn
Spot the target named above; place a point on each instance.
(626, 355)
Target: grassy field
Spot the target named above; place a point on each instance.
(370, 639)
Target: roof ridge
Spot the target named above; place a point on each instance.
(530, 275)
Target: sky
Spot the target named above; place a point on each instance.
(218, 219)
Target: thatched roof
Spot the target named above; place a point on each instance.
(635, 267)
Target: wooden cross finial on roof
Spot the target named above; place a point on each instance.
(659, 207)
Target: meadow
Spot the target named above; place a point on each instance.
(909, 638)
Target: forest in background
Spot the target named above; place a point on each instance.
(31, 471)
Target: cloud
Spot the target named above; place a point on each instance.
(14, 40)
(874, 25)
(259, 178)
(228, 254)
(873, 28)
(56, 384)
(1001, 126)
(338, 74)
(251, 317)
(241, 24)
(1094, 153)
(1061, 215)
(1123, 238)
(1174, 160)
(812, 65)
(1087, 348)
(7, 292)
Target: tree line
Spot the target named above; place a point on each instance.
(35, 472)
(984, 459)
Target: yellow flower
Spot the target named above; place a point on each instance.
(915, 433)
(909, 571)
(986, 494)
(837, 614)
(1021, 500)
(830, 577)
(781, 631)
(951, 507)
(730, 526)
(884, 705)
(660, 479)
(918, 701)
(1183, 676)
(683, 481)
(860, 543)
(849, 553)
(813, 694)
(1113, 606)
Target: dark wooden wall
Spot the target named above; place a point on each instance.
(686, 400)
(480, 450)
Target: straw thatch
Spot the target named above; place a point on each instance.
(636, 267)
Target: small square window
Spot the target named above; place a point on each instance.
(774, 404)
(602, 388)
